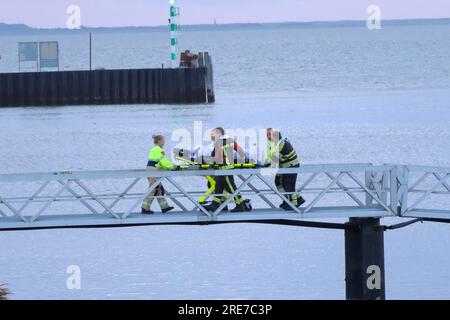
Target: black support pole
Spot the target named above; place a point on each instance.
(364, 260)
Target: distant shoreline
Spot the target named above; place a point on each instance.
(24, 29)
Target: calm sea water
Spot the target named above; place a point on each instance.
(273, 60)
(340, 94)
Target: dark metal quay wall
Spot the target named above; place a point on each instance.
(100, 87)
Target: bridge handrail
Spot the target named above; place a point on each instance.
(412, 197)
(418, 168)
(142, 173)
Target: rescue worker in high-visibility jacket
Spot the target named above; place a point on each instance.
(157, 160)
(283, 155)
(223, 155)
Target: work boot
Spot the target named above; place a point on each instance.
(300, 201)
(239, 208)
(213, 206)
(283, 205)
(286, 207)
(167, 209)
(145, 211)
(243, 207)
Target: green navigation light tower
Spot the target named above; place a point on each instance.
(174, 27)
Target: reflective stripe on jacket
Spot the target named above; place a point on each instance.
(282, 153)
(223, 152)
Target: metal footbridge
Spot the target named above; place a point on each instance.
(112, 198)
(362, 193)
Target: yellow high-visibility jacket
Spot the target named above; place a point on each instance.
(157, 158)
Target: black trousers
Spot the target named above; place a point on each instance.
(226, 184)
(286, 183)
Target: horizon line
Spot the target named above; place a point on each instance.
(223, 24)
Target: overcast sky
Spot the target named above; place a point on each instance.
(52, 13)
